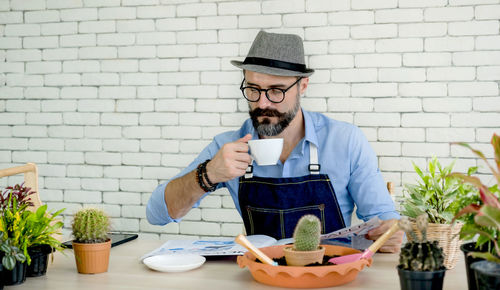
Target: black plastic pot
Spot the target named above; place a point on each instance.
(487, 275)
(1, 271)
(15, 276)
(471, 275)
(39, 260)
(421, 280)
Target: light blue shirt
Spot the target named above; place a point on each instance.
(343, 152)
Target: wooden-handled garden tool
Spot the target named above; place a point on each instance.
(368, 252)
(242, 240)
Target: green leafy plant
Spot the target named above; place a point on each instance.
(486, 214)
(307, 233)
(13, 226)
(420, 254)
(437, 193)
(23, 228)
(11, 253)
(42, 226)
(90, 226)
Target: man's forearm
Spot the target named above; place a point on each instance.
(229, 162)
(181, 194)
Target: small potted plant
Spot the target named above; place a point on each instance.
(91, 243)
(486, 215)
(473, 242)
(33, 232)
(44, 227)
(14, 202)
(441, 196)
(306, 249)
(421, 262)
(12, 264)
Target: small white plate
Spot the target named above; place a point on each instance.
(174, 262)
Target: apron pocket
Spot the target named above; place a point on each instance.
(280, 223)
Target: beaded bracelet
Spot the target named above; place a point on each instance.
(201, 171)
(199, 178)
(204, 171)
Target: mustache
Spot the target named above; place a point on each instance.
(258, 112)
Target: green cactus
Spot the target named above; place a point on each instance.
(90, 226)
(420, 255)
(307, 233)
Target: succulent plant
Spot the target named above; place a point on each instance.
(11, 253)
(90, 226)
(420, 255)
(307, 233)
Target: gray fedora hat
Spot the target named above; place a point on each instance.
(276, 54)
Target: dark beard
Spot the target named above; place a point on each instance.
(265, 128)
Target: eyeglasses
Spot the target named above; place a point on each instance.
(274, 95)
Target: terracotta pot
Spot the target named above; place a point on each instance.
(303, 277)
(302, 258)
(92, 258)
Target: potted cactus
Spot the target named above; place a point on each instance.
(306, 249)
(421, 262)
(91, 243)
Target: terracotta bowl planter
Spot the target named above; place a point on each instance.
(92, 258)
(303, 277)
(302, 258)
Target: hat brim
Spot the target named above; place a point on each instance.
(271, 70)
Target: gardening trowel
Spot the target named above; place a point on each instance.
(368, 252)
(240, 239)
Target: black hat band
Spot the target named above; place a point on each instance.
(275, 63)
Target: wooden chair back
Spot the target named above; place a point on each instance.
(30, 171)
(390, 188)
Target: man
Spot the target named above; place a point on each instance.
(325, 167)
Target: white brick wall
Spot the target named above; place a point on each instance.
(111, 98)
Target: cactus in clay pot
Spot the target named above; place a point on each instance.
(420, 255)
(306, 249)
(307, 233)
(91, 244)
(90, 226)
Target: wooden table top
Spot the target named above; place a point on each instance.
(126, 272)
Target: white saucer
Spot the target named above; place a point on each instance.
(174, 262)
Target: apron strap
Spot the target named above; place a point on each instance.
(249, 171)
(314, 166)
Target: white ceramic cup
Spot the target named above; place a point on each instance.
(266, 151)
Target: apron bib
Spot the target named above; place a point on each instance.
(272, 206)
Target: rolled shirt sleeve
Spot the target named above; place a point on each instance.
(156, 209)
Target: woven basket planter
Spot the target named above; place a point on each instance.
(447, 237)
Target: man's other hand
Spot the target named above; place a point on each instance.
(231, 161)
(393, 244)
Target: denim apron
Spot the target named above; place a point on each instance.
(272, 206)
